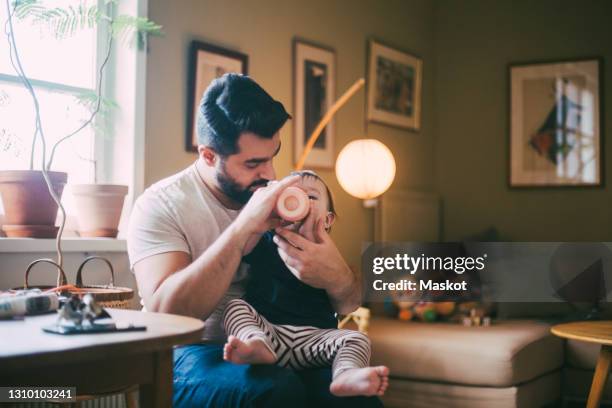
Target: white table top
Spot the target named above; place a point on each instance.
(24, 343)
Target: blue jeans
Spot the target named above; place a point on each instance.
(203, 379)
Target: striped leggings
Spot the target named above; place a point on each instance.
(299, 347)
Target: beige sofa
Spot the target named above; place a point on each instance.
(513, 363)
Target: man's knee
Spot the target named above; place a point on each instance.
(202, 378)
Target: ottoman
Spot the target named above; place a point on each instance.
(509, 364)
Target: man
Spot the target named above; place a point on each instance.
(187, 236)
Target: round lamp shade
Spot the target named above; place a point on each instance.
(365, 168)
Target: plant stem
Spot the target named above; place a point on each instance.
(16, 63)
(98, 102)
(39, 131)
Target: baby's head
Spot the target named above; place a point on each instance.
(318, 192)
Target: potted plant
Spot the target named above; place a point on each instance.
(31, 198)
(29, 208)
(98, 207)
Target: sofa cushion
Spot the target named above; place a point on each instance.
(501, 355)
(418, 394)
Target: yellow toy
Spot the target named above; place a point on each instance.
(361, 317)
(444, 308)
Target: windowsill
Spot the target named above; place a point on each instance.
(73, 244)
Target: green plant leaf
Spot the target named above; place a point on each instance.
(89, 99)
(131, 29)
(61, 21)
(27, 8)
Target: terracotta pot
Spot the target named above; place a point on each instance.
(98, 208)
(29, 209)
(30, 231)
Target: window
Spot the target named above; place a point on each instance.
(64, 74)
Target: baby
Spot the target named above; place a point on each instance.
(283, 321)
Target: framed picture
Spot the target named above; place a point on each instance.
(314, 90)
(395, 80)
(555, 124)
(207, 62)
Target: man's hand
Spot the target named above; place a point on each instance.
(319, 264)
(258, 216)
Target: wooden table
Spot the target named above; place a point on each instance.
(599, 332)
(97, 363)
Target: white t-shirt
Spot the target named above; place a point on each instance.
(180, 213)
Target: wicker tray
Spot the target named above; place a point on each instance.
(106, 295)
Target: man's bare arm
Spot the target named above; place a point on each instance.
(171, 282)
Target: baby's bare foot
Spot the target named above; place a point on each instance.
(252, 351)
(361, 381)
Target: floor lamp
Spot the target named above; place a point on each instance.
(365, 168)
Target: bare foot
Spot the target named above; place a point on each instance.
(361, 381)
(253, 351)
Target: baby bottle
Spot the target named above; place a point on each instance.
(293, 204)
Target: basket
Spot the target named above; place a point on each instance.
(105, 295)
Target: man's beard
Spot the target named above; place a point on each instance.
(235, 191)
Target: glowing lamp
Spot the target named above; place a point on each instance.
(365, 169)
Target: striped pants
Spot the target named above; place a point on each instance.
(299, 347)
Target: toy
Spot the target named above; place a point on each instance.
(78, 316)
(405, 314)
(406, 307)
(476, 318)
(466, 307)
(405, 311)
(444, 308)
(79, 312)
(361, 317)
(389, 307)
(425, 311)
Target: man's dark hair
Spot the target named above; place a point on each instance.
(233, 104)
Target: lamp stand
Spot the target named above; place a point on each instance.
(370, 203)
(325, 120)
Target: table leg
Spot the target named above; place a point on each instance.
(158, 393)
(601, 376)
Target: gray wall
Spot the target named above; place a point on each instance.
(475, 41)
(264, 30)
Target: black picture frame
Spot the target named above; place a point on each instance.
(306, 113)
(515, 136)
(198, 80)
(411, 76)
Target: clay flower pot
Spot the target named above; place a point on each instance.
(29, 210)
(98, 208)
